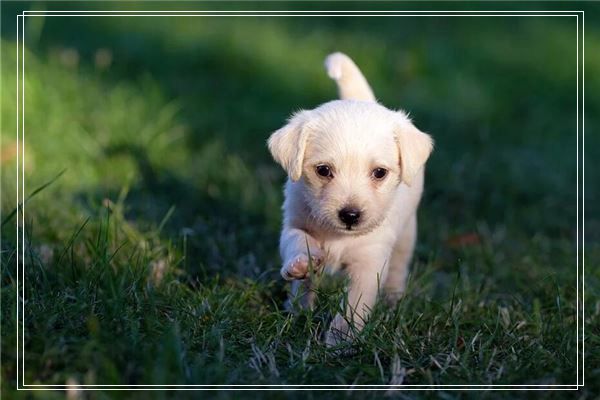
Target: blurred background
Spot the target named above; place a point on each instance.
(163, 121)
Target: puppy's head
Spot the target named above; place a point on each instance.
(350, 156)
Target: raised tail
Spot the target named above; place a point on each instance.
(351, 83)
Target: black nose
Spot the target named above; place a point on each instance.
(349, 216)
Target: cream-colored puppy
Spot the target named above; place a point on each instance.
(355, 180)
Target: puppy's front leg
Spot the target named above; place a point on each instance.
(367, 273)
(295, 247)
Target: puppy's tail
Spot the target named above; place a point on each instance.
(351, 83)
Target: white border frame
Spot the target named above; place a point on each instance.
(209, 13)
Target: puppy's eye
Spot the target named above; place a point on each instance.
(324, 171)
(379, 173)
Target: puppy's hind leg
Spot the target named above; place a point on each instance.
(395, 283)
(301, 297)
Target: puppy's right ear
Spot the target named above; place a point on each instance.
(287, 145)
(414, 146)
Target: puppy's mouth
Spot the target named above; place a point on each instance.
(353, 229)
(358, 229)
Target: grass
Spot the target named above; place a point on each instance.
(153, 258)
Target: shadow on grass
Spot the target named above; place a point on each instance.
(218, 233)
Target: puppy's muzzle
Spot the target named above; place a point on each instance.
(349, 216)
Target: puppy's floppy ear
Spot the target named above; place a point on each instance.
(287, 145)
(414, 147)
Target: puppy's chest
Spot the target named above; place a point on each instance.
(340, 252)
(344, 251)
(334, 253)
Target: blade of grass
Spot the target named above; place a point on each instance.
(32, 195)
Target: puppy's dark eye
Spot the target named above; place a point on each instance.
(379, 173)
(324, 171)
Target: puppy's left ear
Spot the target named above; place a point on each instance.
(287, 145)
(414, 147)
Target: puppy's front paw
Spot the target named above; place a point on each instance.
(297, 268)
(392, 297)
(340, 335)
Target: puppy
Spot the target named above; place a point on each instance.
(355, 173)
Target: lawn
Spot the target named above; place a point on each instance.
(151, 249)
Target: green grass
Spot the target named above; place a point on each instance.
(153, 258)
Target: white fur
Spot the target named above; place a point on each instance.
(352, 85)
(353, 136)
